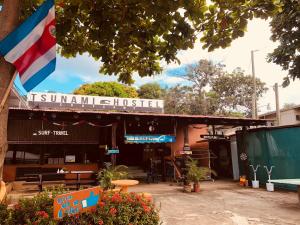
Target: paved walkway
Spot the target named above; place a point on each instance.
(223, 203)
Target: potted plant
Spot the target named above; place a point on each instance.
(106, 175)
(196, 174)
(187, 185)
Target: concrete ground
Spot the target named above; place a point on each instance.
(223, 203)
(218, 203)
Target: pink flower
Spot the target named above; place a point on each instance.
(100, 222)
(17, 206)
(116, 198)
(42, 214)
(113, 211)
(146, 209)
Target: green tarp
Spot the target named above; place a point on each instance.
(279, 147)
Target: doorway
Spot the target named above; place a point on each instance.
(222, 164)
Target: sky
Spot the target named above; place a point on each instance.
(71, 73)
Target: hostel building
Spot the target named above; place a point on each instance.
(50, 131)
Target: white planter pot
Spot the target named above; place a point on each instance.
(270, 186)
(255, 183)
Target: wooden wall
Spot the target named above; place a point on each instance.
(28, 131)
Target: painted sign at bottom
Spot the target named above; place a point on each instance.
(76, 202)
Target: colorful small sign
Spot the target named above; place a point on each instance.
(113, 151)
(185, 152)
(141, 139)
(76, 202)
(187, 148)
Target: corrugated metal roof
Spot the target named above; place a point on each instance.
(220, 120)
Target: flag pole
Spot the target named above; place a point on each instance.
(6, 94)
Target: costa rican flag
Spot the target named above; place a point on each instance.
(31, 48)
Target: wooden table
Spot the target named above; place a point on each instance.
(289, 181)
(124, 184)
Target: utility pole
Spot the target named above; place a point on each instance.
(254, 100)
(277, 104)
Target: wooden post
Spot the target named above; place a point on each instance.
(186, 135)
(299, 194)
(114, 142)
(9, 19)
(6, 94)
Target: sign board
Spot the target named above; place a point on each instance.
(141, 139)
(70, 159)
(187, 148)
(76, 202)
(113, 151)
(50, 133)
(57, 100)
(185, 152)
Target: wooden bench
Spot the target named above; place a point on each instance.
(289, 181)
(41, 179)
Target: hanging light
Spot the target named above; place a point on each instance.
(53, 115)
(30, 115)
(151, 128)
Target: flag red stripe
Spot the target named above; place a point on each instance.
(36, 50)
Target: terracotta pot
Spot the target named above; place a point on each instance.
(196, 187)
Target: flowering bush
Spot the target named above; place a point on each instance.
(34, 211)
(114, 209)
(119, 209)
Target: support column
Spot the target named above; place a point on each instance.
(114, 142)
(244, 150)
(299, 194)
(186, 135)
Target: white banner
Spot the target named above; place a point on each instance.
(58, 100)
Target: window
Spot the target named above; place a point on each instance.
(17, 154)
(53, 154)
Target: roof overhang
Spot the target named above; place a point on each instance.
(187, 119)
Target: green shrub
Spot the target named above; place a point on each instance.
(114, 209)
(4, 213)
(195, 173)
(106, 175)
(118, 209)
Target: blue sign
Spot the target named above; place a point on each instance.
(141, 139)
(113, 151)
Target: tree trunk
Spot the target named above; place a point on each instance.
(9, 18)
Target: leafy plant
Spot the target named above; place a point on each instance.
(195, 173)
(4, 213)
(114, 209)
(32, 211)
(118, 209)
(106, 175)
